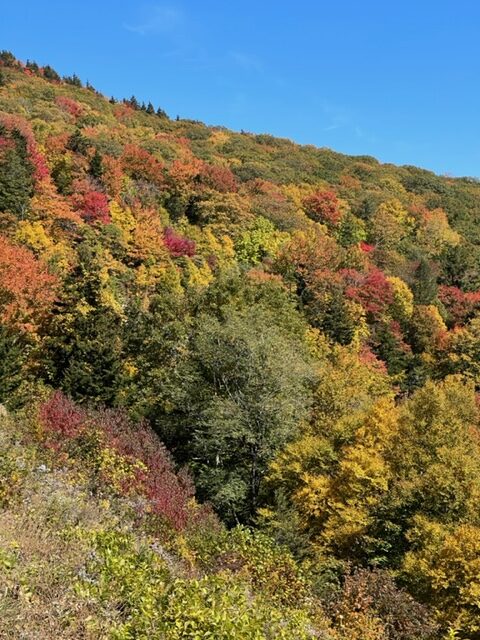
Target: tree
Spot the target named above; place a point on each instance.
(427, 329)
(255, 393)
(425, 287)
(8, 59)
(96, 165)
(324, 207)
(463, 353)
(27, 290)
(358, 477)
(73, 80)
(92, 356)
(16, 173)
(133, 102)
(352, 230)
(93, 207)
(62, 175)
(83, 348)
(434, 233)
(50, 74)
(78, 142)
(32, 65)
(443, 569)
(139, 164)
(389, 225)
(258, 242)
(14, 349)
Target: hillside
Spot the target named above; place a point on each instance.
(240, 380)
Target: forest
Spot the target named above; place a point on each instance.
(239, 381)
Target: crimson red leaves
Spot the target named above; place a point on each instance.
(178, 245)
(93, 207)
(59, 415)
(168, 494)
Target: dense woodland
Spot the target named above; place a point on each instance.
(240, 381)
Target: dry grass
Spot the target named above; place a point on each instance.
(39, 561)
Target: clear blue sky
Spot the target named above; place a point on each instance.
(395, 79)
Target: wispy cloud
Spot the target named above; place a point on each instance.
(340, 117)
(246, 61)
(163, 19)
(337, 116)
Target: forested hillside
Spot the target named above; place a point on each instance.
(240, 379)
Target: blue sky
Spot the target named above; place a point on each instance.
(398, 80)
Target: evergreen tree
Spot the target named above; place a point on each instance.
(33, 66)
(8, 59)
(77, 142)
(50, 74)
(16, 177)
(425, 287)
(133, 102)
(73, 80)
(62, 176)
(96, 165)
(94, 360)
(13, 352)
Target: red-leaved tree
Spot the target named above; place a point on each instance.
(324, 207)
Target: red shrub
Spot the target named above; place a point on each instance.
(366, 248)
(122, 111)
(168, 494)
(178, 245)
(69, 105)
(60, 415)
(93, 207)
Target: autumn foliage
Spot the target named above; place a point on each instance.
(27, 290)
(300, 328)
(93, 207)
(323, 206)
(77, 431)
(177, 245)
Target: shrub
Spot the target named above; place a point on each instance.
(128, 457)
(374, 592)
(178, 245)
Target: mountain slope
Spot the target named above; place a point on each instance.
(298, 327)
